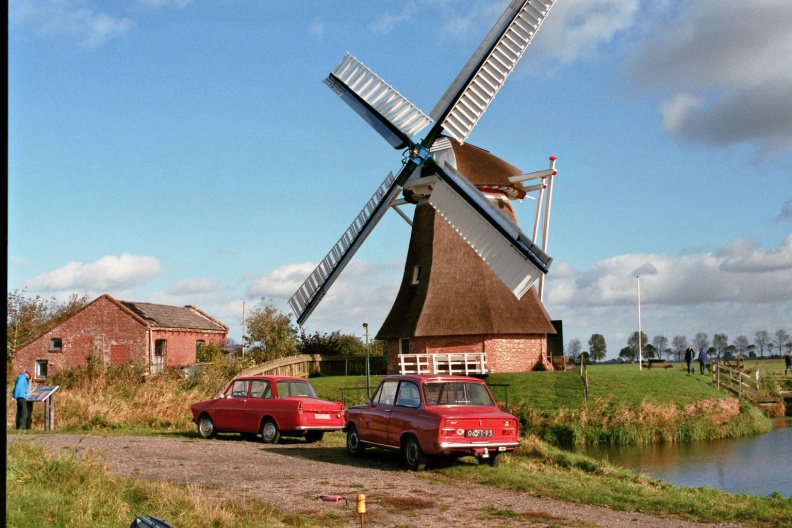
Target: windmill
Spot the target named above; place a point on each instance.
(427, 175)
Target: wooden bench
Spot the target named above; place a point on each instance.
(662, 363)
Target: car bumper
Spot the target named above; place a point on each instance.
(475, 445)
(319, 427)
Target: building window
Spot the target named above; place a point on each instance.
(159, 356)
(416, 275)
(198, 344)
(404, 345)
(41, 368)
(56, 344)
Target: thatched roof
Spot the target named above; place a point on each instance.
(456, 294)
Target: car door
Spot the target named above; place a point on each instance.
(404, 413)
(377, 415)
(230, 410)
(258, 404)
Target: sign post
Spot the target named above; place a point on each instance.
(45, 394)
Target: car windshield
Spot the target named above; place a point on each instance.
(457, 393)
(288, 388)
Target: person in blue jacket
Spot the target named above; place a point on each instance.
(21, 387)
(702, 359)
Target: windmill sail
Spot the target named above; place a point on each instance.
(319, 281)
(508, 252)
(475, 87)
(386, 110)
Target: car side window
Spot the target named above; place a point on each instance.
(387, 392)
(240, 389)
(408, 395)
(260, 389)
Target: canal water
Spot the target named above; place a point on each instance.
(760, 465)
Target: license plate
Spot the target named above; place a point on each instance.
(478, 433)
(322, 416)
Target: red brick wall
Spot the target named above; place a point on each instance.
(104, 329)
(181, 344)
(93, 330)
(519, 353)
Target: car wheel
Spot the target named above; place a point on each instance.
(414, 457)
(206, 428)
(354, 447)
(269, 432)
(494, 459)
(313, 436)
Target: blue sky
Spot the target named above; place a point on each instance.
(184, 152)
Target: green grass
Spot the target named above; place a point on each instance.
(538, 468)
(45, 490)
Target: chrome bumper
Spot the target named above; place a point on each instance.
(319, 427)
(475, 445)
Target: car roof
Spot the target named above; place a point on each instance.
(270, 378)
(432, 377)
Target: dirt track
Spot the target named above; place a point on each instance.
(292, 475)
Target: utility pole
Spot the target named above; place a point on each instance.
(640, 344)
(368, 365)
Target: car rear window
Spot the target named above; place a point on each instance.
(457, 393)
(288, 388)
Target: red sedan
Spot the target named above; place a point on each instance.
(423, 416)
(272, 406)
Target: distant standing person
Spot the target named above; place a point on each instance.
(21, 387)
(690, 354)
(703, 361)
(787, 363)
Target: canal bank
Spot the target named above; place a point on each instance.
(759, 465)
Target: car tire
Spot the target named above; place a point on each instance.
(494, 459)
(354, 446)
(313, 436)
(413, 455)
(269, 432)
(206, 427)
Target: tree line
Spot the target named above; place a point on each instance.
(660, 347)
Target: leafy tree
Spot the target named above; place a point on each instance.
(719, 343)
(574, 348)
(679, 344)
(700, 340)
(761, 338)
(597, 347)
(633, 343)
(781, 341)
(649, 351)
(741, 344)
(270, 334)
(29, 317)
(660, 342)
(628, 353)
(333, 344)
(209, 352)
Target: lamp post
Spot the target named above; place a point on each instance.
(640, 344)
(368, 367)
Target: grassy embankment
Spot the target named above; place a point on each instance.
(54, 490)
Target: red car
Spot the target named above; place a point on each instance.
(272, 406)
(425, 415)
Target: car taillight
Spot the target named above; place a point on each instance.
(510, 432)
(450, 431)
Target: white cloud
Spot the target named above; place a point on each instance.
(64, 18)
(724, 70)
(107, 273)
(387, 22)
(193, 287)
(737, 289)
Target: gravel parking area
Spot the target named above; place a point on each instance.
(293, 475)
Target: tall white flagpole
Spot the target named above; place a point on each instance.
(640, 343)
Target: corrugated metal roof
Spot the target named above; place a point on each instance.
(164, 316)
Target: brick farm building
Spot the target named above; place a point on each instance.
(121, 332)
